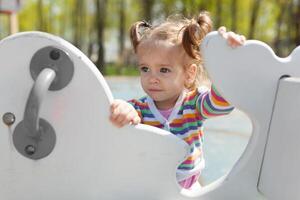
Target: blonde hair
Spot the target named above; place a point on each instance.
(178, 30)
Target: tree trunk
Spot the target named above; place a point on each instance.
(41, 21)
(63, 20)
(277, 40)
(201, 6)
(100, 24)
(50, 17)
(297, 23)
(90, 41)
(147, 6)
(77, 17)
(14, 23)
(122, 23)
(253, 18)
(234, 15)
(183, 8)
(218, 13)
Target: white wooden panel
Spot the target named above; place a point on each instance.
(94, 160)
(280, 177)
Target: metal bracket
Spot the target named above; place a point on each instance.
(52, 69)
(55, 59)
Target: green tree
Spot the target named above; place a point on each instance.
(41, 18)
(79, 22)
(100, 26)
(147, 6)
(234, 9)
(253, 19)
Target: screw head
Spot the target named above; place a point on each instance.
(30, 150)
(54, 54)
(8, 118)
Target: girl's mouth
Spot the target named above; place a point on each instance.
(154, 90)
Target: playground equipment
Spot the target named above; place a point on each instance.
(56, 141)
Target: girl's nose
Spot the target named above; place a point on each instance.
(153, 79)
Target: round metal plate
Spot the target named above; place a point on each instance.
(34, 147)
(56, 59)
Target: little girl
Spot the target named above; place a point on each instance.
(170, 65)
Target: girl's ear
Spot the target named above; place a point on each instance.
(190, 74)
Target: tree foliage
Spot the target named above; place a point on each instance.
(90, 24)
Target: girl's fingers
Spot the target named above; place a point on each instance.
(230, 42)
(231, 35)
(114, 109)
(123, 113)
(115, 104)
(135, 120)
(235, 40)
(115, 113)
(242, 39)
(222, 31)
(126, 116)
(234, 43)
(131, 118)
(127, 120)
(117, 116)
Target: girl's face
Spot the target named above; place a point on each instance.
(163, 76)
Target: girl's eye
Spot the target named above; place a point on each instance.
(165, 70)
(144, 69)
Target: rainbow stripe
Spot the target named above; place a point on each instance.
(188, 122)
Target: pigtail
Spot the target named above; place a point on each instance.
(194, 33)
(137, 30)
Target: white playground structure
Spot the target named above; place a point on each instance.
(56, 141)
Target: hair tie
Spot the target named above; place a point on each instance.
(146, 24)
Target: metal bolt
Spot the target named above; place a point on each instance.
(54, 54)
(9, 118)
(30, 150)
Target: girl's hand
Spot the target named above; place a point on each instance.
(234, 40)
(123, 113)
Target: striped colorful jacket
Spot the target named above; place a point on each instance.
(186, 122)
